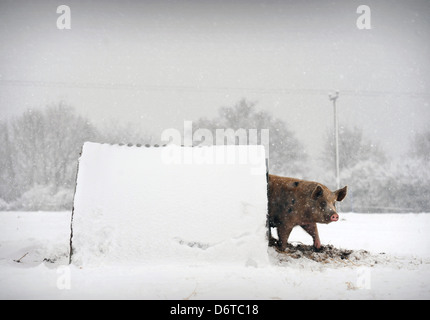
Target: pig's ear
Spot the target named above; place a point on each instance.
(341, 193)
(318, 192)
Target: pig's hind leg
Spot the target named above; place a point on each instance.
(312, 229)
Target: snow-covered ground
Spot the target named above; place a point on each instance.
(34, 249)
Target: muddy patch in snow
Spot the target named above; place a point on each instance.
(328, 256)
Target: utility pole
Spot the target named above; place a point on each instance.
(336, 136)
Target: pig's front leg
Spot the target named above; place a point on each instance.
(283, 234)
(312, 229)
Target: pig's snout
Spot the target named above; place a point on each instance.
(334, 217)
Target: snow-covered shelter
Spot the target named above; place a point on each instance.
(170, 205)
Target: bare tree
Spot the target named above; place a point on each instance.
(353, 148)
(286, 153)
(8, 185)
(133, 132)
(64, 133)
(41, 148)
(363, 167)
(420, 146)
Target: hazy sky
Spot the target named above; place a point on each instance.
(162, 62)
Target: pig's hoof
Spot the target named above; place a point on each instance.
(318, 249)
(273, 242)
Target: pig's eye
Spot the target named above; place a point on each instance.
(323, 204)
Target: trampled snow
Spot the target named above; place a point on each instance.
(152, 205)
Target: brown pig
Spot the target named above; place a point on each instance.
(294, 202)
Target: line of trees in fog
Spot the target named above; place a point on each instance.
(40, 150)
(39, 156)
(379, 184)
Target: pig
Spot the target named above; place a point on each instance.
(293, 202)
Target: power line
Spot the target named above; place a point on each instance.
(164, 88)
